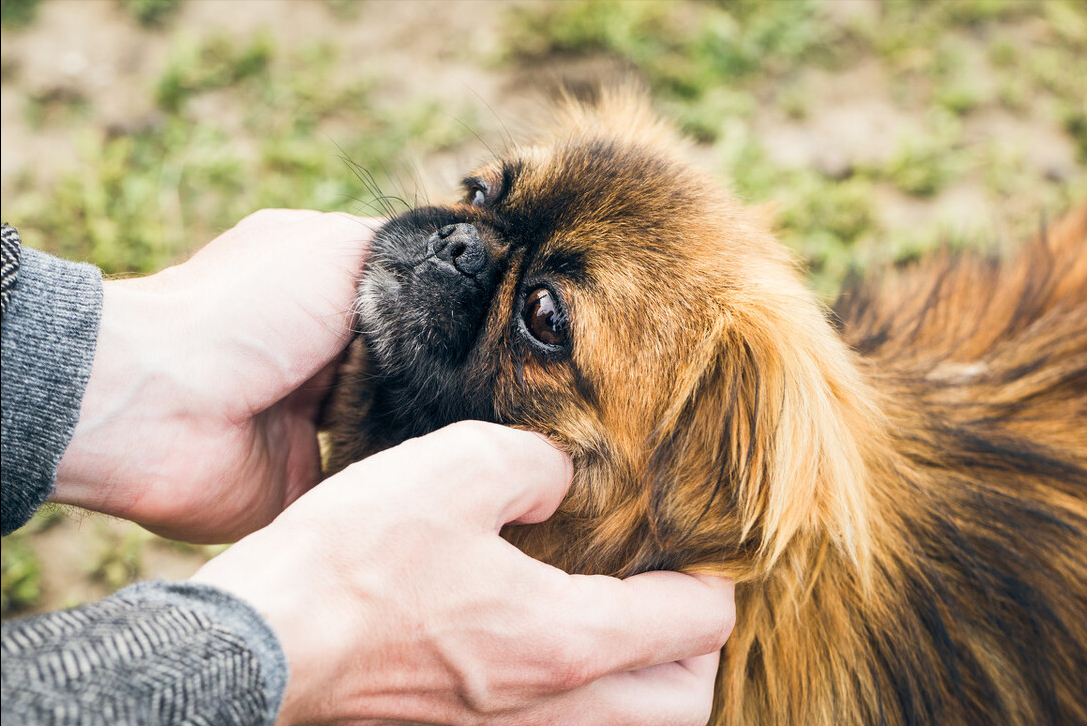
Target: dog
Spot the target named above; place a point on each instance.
(898, 485)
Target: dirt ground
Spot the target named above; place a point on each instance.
(434, 48)
(445, 51)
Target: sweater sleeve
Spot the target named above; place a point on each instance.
(154, 653)
(48, 333)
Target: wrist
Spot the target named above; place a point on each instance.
(312, 654)
(132, 392)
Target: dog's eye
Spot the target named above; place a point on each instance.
(477, 195)
(543, 318)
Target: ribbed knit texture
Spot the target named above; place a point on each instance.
(47, 340)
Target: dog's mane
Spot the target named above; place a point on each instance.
(981, 368)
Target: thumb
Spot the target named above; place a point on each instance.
(499, 475)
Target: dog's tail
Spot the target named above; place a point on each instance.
(955, 306)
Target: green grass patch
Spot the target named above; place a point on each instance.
(58, 105)
(822, 219)
(700, 59)
(242, 126)
(119, 559)
(715, 67)
(18, 13)
(20, 575)
(209, 64)
(152, 13)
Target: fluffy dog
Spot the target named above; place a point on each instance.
(899, 488)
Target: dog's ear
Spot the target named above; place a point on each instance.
(764, 448)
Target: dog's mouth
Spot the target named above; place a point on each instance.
(428, 288)
(422, 306)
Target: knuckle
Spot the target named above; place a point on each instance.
(571, 669)
(726, 624)
(261, 216)
(572, 678)
(342, 217)
(479, 703)
(476, 441)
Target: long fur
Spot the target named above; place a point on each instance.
(899, 486)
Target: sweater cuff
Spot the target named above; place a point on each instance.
(230, 613)
(48, 337)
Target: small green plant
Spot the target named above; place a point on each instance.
(959, 97)
(57, 105)
(685, 51)
(20, 575)
(17, 13)
(217, 62)
(152, 13)
(1014, 95)
(1003, 53)
(825, 220)
(119, 560)
(925, 163)
(1074, 119)
(978, 12)
(285, 130)
(345, 9)
(822, 219)
(918, 167)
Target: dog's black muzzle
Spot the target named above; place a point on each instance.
(460, 248)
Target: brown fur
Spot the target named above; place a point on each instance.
(899, 489)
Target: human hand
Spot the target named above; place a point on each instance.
(395, 599)
(199, 418)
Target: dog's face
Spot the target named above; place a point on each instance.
(599, 289)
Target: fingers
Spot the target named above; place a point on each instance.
(679, 693)
(647, 619)
(339, 226)
(501, 475)
(281, 217)
(551, 473)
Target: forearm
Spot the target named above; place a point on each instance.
(153, 653)
(48, 335)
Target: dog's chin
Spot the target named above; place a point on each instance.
(411, 317)
(419, 331)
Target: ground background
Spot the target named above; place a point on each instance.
(134, 131)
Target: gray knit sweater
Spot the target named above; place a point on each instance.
(154, 653)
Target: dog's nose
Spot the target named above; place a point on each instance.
(461, 246)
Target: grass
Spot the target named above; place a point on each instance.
(925, 163)
(717, 67)
(20, 565)
(17, 13)
(119, 558)
(152, 13)
(231, 113)
(20, 575)
(700, 59)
